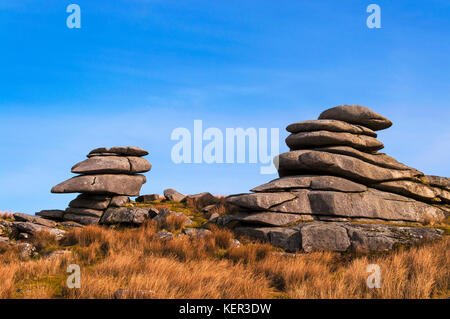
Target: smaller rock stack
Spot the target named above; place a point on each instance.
(106, 180)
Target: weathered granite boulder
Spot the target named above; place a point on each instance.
(129, 185)
(301, 161)
(203, 199)
(314, 139)
(99, 202)
(33, 219)
(438, 181)
(124, 215)
(147, 198)
(53, 214)
(316, 182)
(357, 114)
(32, 229)
(81, 219)
(330, 126)
(112, 165)
(259, 201)
(173, 196)
(378, 159)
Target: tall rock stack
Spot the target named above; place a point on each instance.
(334, 176)
(105, 181)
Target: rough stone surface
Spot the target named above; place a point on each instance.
(33, 219)
(93, 202)
(329, 125)
(357, 114)
(297, 162)
(124, 215)
(316, 182)
(305, 140)
(119, 201)
(438, 181)
(147, 198)
(324, 236)
(71, 225)
(372, 204)
(173, 196)
(54, 214)
(203, 199)
(379, 159)
(32, 229)
(84, 212)
(410, 189)
(82, 219)
(259, 201)
(112, 164)
(129, 185)
(266, 219)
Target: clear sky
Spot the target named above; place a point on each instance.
(138, 69)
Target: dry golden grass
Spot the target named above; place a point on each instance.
(135, 261)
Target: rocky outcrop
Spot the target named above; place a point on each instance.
(106, 180)
(323, 236)
(332, 177)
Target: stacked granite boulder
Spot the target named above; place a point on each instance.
(106, 180)
(334, 176)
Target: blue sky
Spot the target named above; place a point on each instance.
(138, 69)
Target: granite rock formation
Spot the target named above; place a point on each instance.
(334, 177)
(105, 181)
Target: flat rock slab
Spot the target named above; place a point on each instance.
(203, 199)
(259, 201)
(265, 219)
(323, 237)
(297, 162)
(92, 202)
(304, 140)
(173, 196)
(147, 198)
(340, 237)
(32, 229)
(112, 164)
(33, 219)
(317, 182)
(129, 185)
(124, 215)
(81, 219)
(371, 204)
(54, 214)
(329, 125)
(119, 201)
(438, 181)
(84, 212)
(410, 189)
(121, 150)
(379, 159)
(357, 114)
